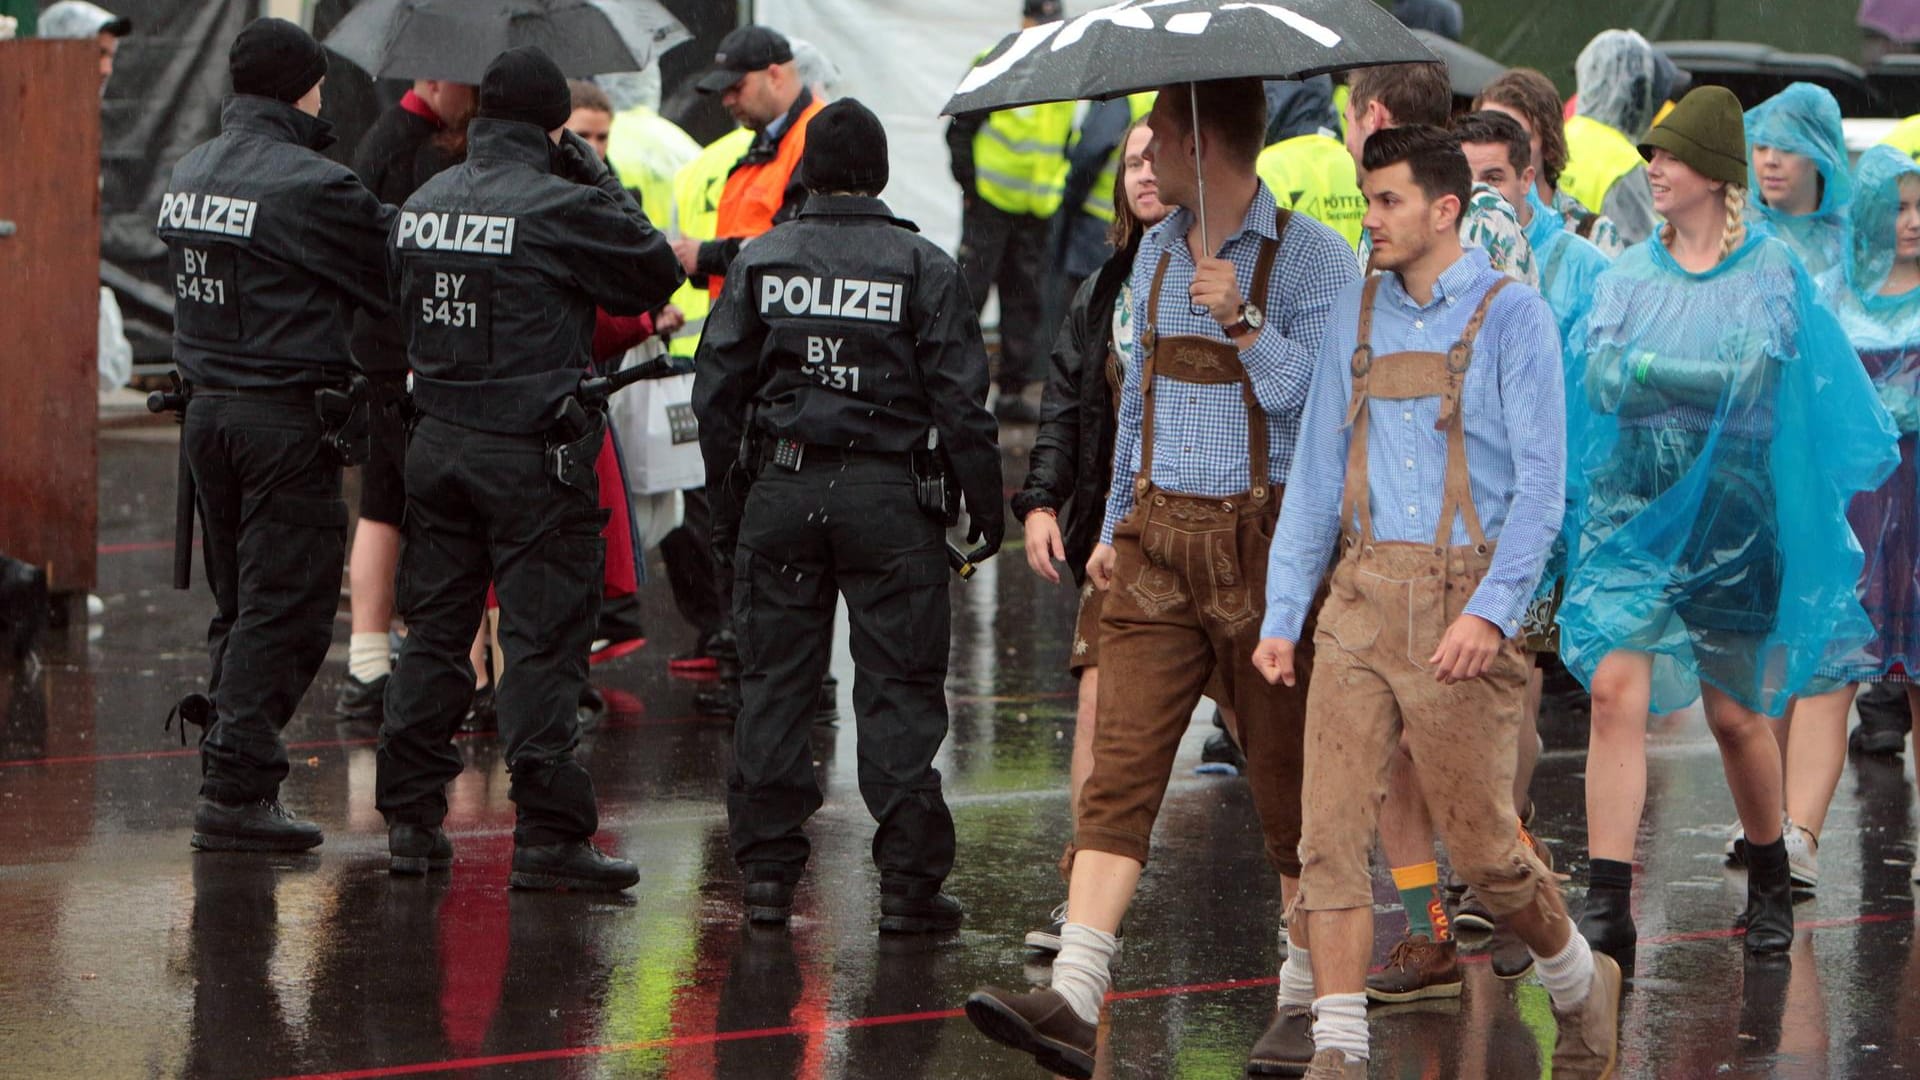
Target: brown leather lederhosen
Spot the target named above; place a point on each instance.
(1183, 617)
(1388, 606)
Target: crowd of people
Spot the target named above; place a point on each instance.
(1627, 385)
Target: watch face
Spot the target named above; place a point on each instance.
(1252, 315)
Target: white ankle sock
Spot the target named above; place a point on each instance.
(367, 657)
(1082, 970)
(1296, 977)
(1568, 976)
(1340, 1023)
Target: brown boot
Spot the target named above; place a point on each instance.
(1286, 1047)
(1336, 1065)
(1417, 969)
(1040, 1023)
(1589, 1041)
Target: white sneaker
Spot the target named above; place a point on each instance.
(1803, 856)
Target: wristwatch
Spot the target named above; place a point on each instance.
(1250, 319)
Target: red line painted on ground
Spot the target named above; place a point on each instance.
(315, 744)
(565, 1053)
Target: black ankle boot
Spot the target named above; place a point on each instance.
(1769, 914)
(1607, 924)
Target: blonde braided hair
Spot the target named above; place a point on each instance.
(1735, 232)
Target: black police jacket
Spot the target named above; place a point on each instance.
(845, 328)
(399, 153)
(270, 246)
(1070, 469)
(500, 264)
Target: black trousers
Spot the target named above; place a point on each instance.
(273, 540)
(1008, 251)
(482, 508)
(841, 526)
(700, 592)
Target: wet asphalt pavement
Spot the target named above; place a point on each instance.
(127, 955)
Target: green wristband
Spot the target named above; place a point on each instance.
(1640, 369)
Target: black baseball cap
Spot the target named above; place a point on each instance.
(743, 52)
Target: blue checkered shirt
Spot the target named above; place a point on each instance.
(1513, 405)
(1200, 432)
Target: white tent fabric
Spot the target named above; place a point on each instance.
(903, 58)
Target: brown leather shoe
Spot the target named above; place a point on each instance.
(1336, 1065)
(1040, 1023)
(1418, 968)
(1589, 1041)
(1286, 1047)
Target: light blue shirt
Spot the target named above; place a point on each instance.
(1513, 406)
(1200, 443)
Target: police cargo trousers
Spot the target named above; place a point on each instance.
(1008, 251)
(847, 524)
(1184, 612)
(274, 529)
(483, 507)
(1388, 606)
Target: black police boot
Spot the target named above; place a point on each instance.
(720, 699)
(828, 710)
(768, 900)
(259, 825)
(1884, 720)
(933, 914)
(362, 701)
(1607, 924)
(481, 714)
(1769, 915)
(416, 849)
(575, 865)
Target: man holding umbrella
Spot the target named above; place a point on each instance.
(1226, 337)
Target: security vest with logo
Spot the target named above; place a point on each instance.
(696, 216)
(1314, 175)
(1019, 158)
(1598, 155)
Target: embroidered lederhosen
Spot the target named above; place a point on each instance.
(1389, 605)
(1183, 616)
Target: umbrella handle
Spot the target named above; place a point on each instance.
(1199, 175)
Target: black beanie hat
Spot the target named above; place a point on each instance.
(276, 59)
(525, 84)
(846, 150)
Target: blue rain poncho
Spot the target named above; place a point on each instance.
(1567, 263)
(1723, 424)
(1885, 331)
(1805, 119)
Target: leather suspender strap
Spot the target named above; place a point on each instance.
(1149, 344)
(1459, 482)
(1259, 479)
(1357, 499)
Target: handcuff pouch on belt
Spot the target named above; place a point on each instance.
(933, 486)
(346, 426)
(574, 444)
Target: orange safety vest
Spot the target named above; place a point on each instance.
(754, 193)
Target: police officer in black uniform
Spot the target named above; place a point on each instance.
(501, 262)
(271, 246)
(842, 375)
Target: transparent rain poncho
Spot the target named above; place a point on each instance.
(1885, 331)
(1805, 119)
(1721, 426)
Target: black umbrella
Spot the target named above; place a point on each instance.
(455, 40)
(1143, 44)
(1468, 71)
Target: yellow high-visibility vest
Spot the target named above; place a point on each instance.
(1314, 175)
(648, 150)
(696, 215)
(1598, 155)
(1020, 160)
(1905, 137)
(1099, 201)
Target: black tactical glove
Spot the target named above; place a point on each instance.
(574, 159)
(990, 527)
